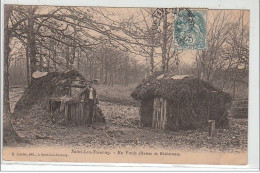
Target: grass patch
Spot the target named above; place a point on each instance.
(116, 94)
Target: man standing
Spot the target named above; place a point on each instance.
(92, 103)
(89, 97)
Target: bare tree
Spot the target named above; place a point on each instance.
(227, 54)
(236, 52)
(10, 136)
(208, 61)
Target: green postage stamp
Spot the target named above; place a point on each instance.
(190, 29)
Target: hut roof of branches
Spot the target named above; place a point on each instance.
(175, 87)
(41, 89)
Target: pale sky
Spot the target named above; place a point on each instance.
(122, 14)
(188, 56)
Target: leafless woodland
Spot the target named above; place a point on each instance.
(120, 47)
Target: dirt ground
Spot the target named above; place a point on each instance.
(122, 130)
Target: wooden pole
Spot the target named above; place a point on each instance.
(211, 127)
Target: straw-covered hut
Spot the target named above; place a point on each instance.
(177, 102)
(57, 92)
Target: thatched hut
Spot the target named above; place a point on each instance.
(177, 102)
(58, 92)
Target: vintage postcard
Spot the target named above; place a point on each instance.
(125, 85)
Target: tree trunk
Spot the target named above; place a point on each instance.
(90, 69)
(102, 70)
(152, 60)
(31, 41)
(85, 69)
(48, 61)
(7, 50)
(78, 62)
(55, 57)
(167, 61)
(164, 46)
(234, 88)
(28, 70)
(106, 71)
(67, 57)
(9, 134)
(151, 54)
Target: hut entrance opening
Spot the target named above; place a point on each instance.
(159, 113)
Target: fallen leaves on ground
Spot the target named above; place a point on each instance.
(123, 130)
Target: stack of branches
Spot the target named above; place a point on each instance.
(191, 101)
